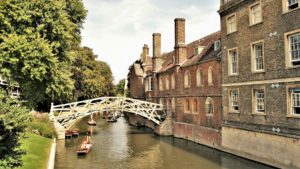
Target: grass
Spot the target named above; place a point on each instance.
(37, 152)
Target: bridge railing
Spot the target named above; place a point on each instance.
(68, 113)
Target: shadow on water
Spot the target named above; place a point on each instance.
(121, 146)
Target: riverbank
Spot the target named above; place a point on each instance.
(37, 151)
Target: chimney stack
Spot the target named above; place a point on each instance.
(180, 48)
(157, 61)
(145, 53)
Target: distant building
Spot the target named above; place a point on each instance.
(14, 91)
(261, 80)
(187, 81)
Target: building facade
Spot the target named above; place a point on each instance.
(261, 80)
(187, 81)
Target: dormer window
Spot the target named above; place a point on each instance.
(198, 50)
(293, 4)
(217, 45)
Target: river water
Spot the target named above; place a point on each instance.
(121, 146)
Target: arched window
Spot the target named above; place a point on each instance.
(173, 81)
(167, 83)
(210, 76)
(199, 77)
(160, 84)
(209, 106)
(187, 79)
(173, 104)
(195, 105)
(187, 105)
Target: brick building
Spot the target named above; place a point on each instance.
(187, 81)
(261, 80)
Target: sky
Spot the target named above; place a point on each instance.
(116, 30)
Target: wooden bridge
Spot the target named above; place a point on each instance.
(65, 115)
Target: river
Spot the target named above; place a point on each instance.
(121, 146)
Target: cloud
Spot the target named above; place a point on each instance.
(117, 29)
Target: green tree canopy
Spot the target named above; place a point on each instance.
(92, 78)
(119, 88)
(36, 43)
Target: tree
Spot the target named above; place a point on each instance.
(119, 88)
(13, 119)
(36, 43)
(92, 78)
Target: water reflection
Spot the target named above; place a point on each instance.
(120, 146)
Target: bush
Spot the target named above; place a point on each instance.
(42, 126)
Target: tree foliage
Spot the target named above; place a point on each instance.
(13, 119)
(120, 87)
(92, 78)
(36, 42)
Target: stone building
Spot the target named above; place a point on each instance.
(187, 81)
(261, 80)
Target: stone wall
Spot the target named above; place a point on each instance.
(274, 150)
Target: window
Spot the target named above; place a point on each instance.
(293, 4)
(198, 50)
(259, 100)
(149, 84)
(210, 76)
(255, 14)
(217, 45)
(199, 78)
(195, 106)
(187, 79)
(167, 83)
(173, 81)
(233, 62)
(257, 56)
(289, 5)
(295, 101)
(173, 104)
(234, 100)
(160, 84)
(231, 24)
(187, 105)
(209, 108)
(294, 47)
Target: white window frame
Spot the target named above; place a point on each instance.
(259, 100)
(287, 6)
(295, 101)
(231, 63)
(252, 19)
(231, 23)
(217, 45)
(256, 67)
(234, 101)
(290, 62)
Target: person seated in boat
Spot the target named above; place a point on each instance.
(84, 145)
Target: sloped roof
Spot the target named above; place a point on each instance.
(208, 51)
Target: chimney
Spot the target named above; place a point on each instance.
(180, 48)
(145, 53)
(157, 61)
